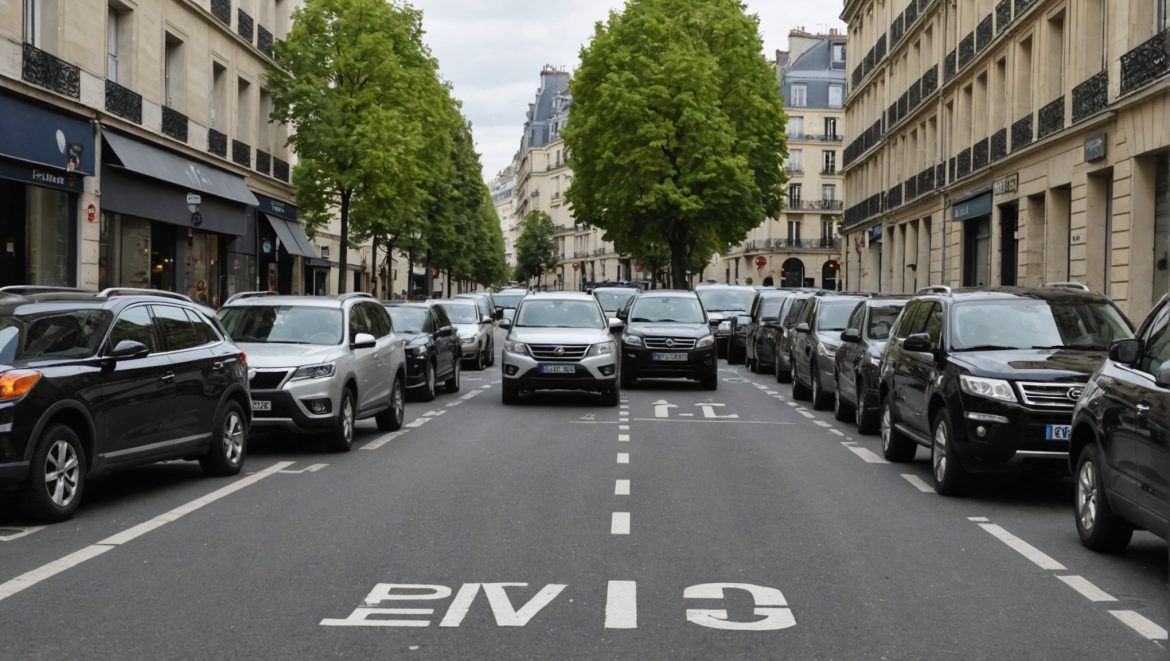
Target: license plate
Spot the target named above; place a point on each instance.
(261, 405)
(670, 356)
(1057, 432)
(558, 369)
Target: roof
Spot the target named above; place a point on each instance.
(668, 293)
(561, 295)
(301, 301)
(1007, 293)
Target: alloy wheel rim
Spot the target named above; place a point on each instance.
(398, 407)
(233, 438)
(1087, 496)
(62, 473)
(940, 452)
(887, 424)
(857, 413)
(347, 418)
(430, 378)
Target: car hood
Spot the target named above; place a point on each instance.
(560, 335)
(675, 330)
(831, 338)
(1032, 365)
(414, 339)
(262, 355)
(467, 330)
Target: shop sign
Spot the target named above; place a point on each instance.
(1009, 184)
(91, 212)
(1095, 147)
(196, 219)
(53, 139)
(32, 174)
(276, 207)
(266, 247)
(193, 199)
(974, 207)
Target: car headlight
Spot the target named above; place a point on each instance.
(990, 388)
(603, 349)
(516, 347)
(314, 371)
(876, 361)
(826, 350)
(419, 350)
(725, 326)
(469, 340)
(705, 341)
(633, 340)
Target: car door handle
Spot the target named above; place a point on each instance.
(217, 365)
(1143, 409)
(168, 377)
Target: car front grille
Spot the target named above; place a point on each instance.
(1054, 396)
(267, 380)
(679, 343)
(558, 352)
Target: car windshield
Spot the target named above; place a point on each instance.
(881, 319)
(1037, 324)
(51, 334)
(614, 300)
(716, 298)
(507, 300)
(461, 313)
(667, 309)
(407, 320)
(770, 308)
(283, 324)
(834, 315)
(559, 314)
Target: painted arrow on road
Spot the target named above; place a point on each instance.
(709, 411)
(662, 408)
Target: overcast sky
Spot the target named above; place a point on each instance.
(492, 52)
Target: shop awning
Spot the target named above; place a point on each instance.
(41, 136)
(291, 236)
(172, 168)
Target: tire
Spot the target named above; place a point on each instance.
(229, 442)
(1099, 528)
(340, 439)
(782, 376)
(944, 461)
(491, 353)
(733, 357)
(628, 379)
(55, 483)
(511, 393)
(799, 390)
(842, 411)
(393, 418)
(866, 420)
(452, 384)
(427, 392)
(820, 398)
(611, 396)
(479, 362)
(896, 446)
(710, 382)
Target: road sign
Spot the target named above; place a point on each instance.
(761, 261)
(196, 219)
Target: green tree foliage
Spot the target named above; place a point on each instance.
(535, 249)
(489, 267)
(676, 133)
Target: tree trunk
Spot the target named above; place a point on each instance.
(678, 265)
(427, 282)
(374, 264)
(343, 258)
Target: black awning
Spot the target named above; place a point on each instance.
(147, 198)
(291, 236)
(190, 175)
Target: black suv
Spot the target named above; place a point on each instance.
(727, 309)
(813, 348)
(1120, 452)
(859, 358)
(766, 313)
(91, 382)
(988, 378)
(432, 348)
(668, 336)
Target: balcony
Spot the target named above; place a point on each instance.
(1090, 97)
(765, 245)
(984, 33)
(264, 40)
(966, 50)
(1022, 133)
(1146, 63)
(174, 124)
(222, 9)
(49, 71)
(829, 172)
(980, 154)
(814, 205)
(813, 137)
(263, 161)
(244, 25)
(1022, 5)
(963, 164)
(217, 143)
(1050, 119)
(999, 147)
(1003, 15)
(949, 67)
(241, 153)
(123, 102)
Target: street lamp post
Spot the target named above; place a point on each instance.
(415, 236)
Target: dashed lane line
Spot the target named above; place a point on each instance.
(621, 488)
(1140, 624)
(1033, 554)
(383, 440)
(865, 454)
(1087, 589)
(623, 438)
(917, 483)
(620, 523)
(621, 605)
(623, 457)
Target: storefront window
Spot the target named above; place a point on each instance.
(49, 217)
(124, 253)
(241, 273)
(1162, 227)
(202, 268)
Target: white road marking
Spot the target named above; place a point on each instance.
(623, 457)
(822, 423)
(709, 411)
(620, 523)
(866, 455)
(1140, 624)
(717, 422)
(31, 578)
(793, 404)
(383, 440)
(434, 414)
(308, 469)
(623, 428)
(20, 532)
(454, 404)
(621, 488)
(484, 387)
(662, 408)
(837, 432)
(624, 406)
(805, 413)
(771, 392)
(418, 423)
(621, 605)
(1087, 589)
(918, 483)
(1038, 557)
(978, 518)
(592, 422)
(686, 415)
(624, 438)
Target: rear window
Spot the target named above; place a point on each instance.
(51, 334)
(881, 320)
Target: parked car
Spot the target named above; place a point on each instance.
(560, 341)
(859, 358)
(1120, 448)
(766, 313)
(813, 349)
(783, 334)
(614, 298)
(320, 363)
(667, 335)
(94, 382)
(506, 301)
(433, 352)
(723, 303)
(987, 379)
(487, 306)
(475, 331)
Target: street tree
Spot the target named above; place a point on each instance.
(676, 135)
(535, 247)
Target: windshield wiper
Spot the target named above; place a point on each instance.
(987, 347)
(1075, 347)
(641, 320)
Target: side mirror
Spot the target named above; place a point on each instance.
(505, 323)
(622, 314)
(802, 327)
(616, 324)
(850, 335)
(364, 341)
(1163, 376)
(918, 343)
(1126, 352)
(129, 349)
(485, 320)
(498, 314)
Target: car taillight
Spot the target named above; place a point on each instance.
(244, 358)
(14, 384)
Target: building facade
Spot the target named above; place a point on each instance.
(802, 247)
(1009, 142)
(503, 189)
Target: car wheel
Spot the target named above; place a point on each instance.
(782, 375)
(944, 461)
(865, 419)
(511, 393)
(1099, 528)
(392, 418)
(611, 396)
(799, 390)
(341, 438)
(479, 361)
(896, 446)
(628, 379)
(56, 479)
(427, 392)
(452, 384)
(229, 442)
(841, 408)
(820, 398)
(491, 359)
(711, 382)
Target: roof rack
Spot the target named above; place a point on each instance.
(935, 289)
(250, 294)
(23, 290)
(132, 291)
(355, 294)
(1079, 286)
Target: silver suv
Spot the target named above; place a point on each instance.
(560, 341)
(318, 364)
(475, 330)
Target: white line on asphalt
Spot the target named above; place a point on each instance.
(434, 414)
(621, 605)
(418, 423)
(918, 483)
(621, 488)
(308, 469)
(822, 423)
(623, 457)
(31, 578)
(771, 392)
(383, 440)
(1087, 589)
(686, 415)
(977, 518)
(866, 455)
(484, 387)
(805, 413)
(1038, 557)
(624, 406)
(592, 422)
(624, 438)
(1140, 624)
(620, 524)
(837, 432)
(20, 532)
(454, 404)
(623, 428)
(733, 422)
(792, 403)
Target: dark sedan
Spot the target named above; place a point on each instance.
(859, 358)
(432, 348)
(770, 307)
(668, 336)
(727, 306)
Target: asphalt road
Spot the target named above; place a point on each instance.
(687, 524)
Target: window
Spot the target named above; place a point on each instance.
(1054, 60)
(174, 77)
(831, 127)
(112, 44)
(379, 319)
(358, 323)
(1157, 351)
(828, 192)
(829, 158)
(135, 326)
(912, 320)
(836, 96)
(796, 126)
(263, 134)
(218, 95)
(934, 325)
(175, 328)
(827, 229)
(204, 333)
(799, 95)
(839, 54)
(793, 231)
(794, 195)
(796, 160)
(243, 111)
